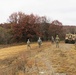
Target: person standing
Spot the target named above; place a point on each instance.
(28, 44)
(57, 39)
(52, 39)
(75, 43)
(39, 42)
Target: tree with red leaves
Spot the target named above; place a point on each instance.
(56, 28)
(24, 26)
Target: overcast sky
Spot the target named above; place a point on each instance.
(62, 10)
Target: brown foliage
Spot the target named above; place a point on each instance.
(24, 26)
(56, 28)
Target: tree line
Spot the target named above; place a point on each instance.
(21, 26)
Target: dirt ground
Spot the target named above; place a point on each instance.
(47, 60)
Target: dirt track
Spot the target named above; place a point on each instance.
(49, 60)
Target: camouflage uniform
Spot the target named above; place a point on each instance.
(52, 39)
(57, 41)
(75, 43)
(28, 44)
(39, 42)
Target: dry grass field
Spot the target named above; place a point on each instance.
(47, 60)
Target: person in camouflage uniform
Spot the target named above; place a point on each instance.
(39, 42)
(28, 44)
(75, 43)
(52, 39)
(57, 39)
